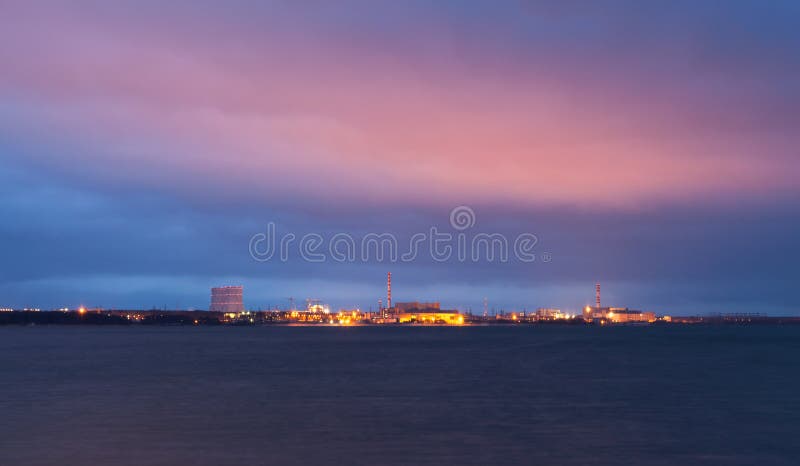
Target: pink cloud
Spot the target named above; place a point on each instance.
(332, 119)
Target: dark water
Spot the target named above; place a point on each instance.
(504, 395)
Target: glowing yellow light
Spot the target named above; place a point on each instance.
(82, 310)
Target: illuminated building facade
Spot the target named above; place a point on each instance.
(431, 317)
(617, 315)
(425, 313)
(622, 316)
(227, 299)
(544, 313)
(318, 308)
(348, 317)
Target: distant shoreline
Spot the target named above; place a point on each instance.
(279, 318)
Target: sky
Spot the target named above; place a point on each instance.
(648, 146)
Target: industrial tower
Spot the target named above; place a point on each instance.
(597, 295)
(389, 290)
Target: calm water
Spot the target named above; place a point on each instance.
(372, 396)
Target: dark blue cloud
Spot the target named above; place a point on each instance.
(67, 245)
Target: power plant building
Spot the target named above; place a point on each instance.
(227, 299)
(545, 313)
(417, 306)
(618, 315)
(431, 316)
(426, 313)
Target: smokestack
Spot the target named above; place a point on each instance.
(597, 294)
(389, 290)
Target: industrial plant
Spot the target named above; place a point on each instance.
(226, 307)
(617, 315)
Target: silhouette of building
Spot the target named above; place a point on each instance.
(417, 306)
(227, 299)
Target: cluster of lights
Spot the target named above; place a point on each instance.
(246, 315)
(319, 309)
(347, 318)
(434, 318)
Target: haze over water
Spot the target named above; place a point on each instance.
(547, 395)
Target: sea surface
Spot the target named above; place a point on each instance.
(543, 395)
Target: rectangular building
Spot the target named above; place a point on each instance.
(544, 313)
(417, 306)
(617, 315)
(431, 316)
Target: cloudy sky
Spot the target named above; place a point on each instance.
(651, 146)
